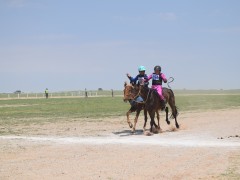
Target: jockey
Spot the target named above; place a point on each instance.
(140, 78)
(157, 78)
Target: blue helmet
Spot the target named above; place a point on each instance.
(141, 68)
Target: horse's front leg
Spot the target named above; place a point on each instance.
(158, 118)
(136, 119)
(128, 119)
(145, 119)
(152, 122)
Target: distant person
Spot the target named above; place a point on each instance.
(86, 94)
(46, 93)
(112, 92)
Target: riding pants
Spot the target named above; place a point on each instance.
(158, 88)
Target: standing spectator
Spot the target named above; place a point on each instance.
(46, 93)
(86, 94)
(112, 92)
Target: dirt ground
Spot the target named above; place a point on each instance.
(207, 146)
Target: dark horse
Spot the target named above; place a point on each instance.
(137, 107)
(153, 104)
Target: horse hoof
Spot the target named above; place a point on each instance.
(168, 122)
(130, 125)
(155, 131)
(177, 126)
(147, 133)
(133, 130)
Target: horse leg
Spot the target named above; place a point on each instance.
(176, 123)
(175, 113)
(145, 119)
(167, 120)
(152, 122)
(175, 116)
(171, 102)
(158, 118)
(128, 120)
(136, 118)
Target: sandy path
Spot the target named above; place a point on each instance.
(166, 140)
(206, 147)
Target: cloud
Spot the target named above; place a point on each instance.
(167, 16)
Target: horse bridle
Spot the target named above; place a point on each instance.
(138, 94)
(130, 94)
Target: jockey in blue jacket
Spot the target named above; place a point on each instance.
(140, 79)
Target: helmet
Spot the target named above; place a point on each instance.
(157, 68)
(141, 68)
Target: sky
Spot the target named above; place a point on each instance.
(76, 44)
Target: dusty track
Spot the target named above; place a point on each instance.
(207, 146)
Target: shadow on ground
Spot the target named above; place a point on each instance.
(128, 133)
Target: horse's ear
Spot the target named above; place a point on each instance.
(125, 83)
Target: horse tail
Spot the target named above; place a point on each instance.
(173, 105)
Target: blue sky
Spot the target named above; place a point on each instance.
(72, 45)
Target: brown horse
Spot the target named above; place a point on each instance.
(135, 106)
(153, 104)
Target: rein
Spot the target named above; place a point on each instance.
(139, 95)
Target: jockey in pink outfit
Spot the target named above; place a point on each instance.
(157, 78)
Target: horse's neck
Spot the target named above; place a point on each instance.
(145, 92)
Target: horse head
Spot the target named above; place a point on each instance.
(128, 92)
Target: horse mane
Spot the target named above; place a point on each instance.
(151, 92)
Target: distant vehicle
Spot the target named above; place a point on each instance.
(17, 92)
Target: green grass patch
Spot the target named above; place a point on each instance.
(12, 110)
(37, 111)
(207, 102)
